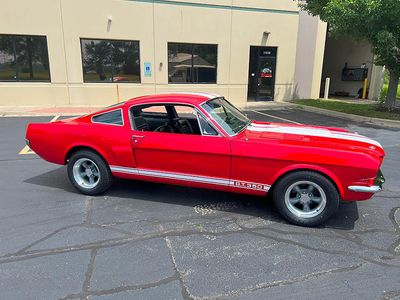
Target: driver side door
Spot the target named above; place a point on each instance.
(201, 158)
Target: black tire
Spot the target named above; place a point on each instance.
(294, 187)
(104, 179)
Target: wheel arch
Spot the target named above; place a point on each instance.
(322, 171)
(77, 148)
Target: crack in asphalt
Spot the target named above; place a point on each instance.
(46, 237)
(88, 275)
(87, 219)
(100, 244)
(336, 252)
(279, 283)
(120, 289)
(185, 292)
(395, 247)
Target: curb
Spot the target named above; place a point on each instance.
(269, 106)
(345, 116)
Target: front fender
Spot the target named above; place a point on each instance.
(319, 169)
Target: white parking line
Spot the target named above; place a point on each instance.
(279, 118)
(26, 150)
(54, 119)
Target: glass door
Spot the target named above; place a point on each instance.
(262, 69)
(266, 78)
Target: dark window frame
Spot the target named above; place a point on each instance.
(17, 63)
(192, 53)
(108, 112)
(112, 81)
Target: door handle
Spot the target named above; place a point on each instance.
(135, 138)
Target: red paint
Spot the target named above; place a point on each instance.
(249, 161)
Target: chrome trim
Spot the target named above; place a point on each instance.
(209, 123)
(138, 136)
(365, 189)
(193, 178)
(109, 111)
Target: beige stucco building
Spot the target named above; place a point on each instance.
(98, 52)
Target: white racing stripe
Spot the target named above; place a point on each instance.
(193, 178)
(309, 131)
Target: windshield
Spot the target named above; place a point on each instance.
(226, 115)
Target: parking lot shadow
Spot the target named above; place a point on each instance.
(258, 207)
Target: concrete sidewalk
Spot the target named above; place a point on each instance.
(21, 111)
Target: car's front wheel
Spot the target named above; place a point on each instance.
(89, 173)
(306, 198)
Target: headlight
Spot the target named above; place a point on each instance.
(379, 180)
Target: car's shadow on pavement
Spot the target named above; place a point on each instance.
(258, 207)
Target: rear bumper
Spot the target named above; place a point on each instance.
(365, 189)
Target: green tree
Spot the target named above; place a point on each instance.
(377, 21)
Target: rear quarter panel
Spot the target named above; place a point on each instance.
(53, 141)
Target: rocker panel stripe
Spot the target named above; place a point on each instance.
(192, 178)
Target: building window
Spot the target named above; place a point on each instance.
(110, 61)
(192, 63)
(24, 58)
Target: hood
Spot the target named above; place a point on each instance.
(314, 136)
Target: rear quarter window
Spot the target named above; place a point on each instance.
(112, 118)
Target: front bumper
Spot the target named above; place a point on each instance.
(377, 187)
(365, 189)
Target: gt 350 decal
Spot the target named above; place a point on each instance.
(192, 178)
(250, 185)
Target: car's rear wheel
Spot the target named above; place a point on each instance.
(89, 173)
(306, 198)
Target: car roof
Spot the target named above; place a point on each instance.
(187, 98)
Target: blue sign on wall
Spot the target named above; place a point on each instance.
(147, 69)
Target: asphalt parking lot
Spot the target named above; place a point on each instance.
(153, 241)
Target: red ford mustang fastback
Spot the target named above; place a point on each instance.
(201, 140)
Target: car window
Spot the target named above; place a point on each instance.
(170, 118)
(156, 109)
(205, 126)
(113, 118)
(183, 111)
(226, 115)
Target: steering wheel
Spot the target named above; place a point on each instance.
(164, 128)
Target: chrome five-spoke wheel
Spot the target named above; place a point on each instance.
(89, 172)
(86, 173)
(305, 199)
